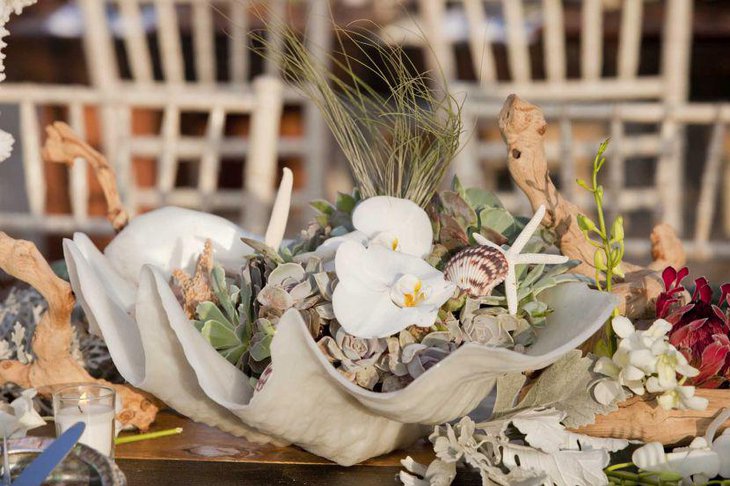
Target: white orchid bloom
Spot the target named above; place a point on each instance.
(381, 291)
(703, 460)
(18, 417)
(398, 224)
(514, 256)
(646, 361)
(681, 398)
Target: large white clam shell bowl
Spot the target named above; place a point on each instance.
(126, 294)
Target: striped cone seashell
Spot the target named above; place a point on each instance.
(477, 269)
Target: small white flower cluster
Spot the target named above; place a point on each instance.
(646, 362)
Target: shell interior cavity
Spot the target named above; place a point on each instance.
(477, 270)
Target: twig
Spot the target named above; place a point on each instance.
(64, 146)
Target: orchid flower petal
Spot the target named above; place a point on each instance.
(381, 291)
(403, 220)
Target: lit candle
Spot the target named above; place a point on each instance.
(91, 404)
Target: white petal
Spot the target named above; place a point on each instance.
(606, 391)
(280, 211)
(402, 218)
(606, 366)
(528, 231)
(659, 328)
(622, 326)
(171, 238)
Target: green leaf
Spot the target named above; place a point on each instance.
(322, 206)
(208, 311)
(233, 355)
(263, 249)
(220, 290)
(261, 348)
(457, 187)
(480, 198)
(497, 219)
(219, 335)
(345, 203)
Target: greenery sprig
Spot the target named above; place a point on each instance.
(398, 142)
(609, 244)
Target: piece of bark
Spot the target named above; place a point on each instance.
(53, 364)
(196, 289)
(523, 128)
(64, 146)
(640, 418)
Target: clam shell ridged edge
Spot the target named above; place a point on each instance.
(477, 270)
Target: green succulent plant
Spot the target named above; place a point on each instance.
(227, 324)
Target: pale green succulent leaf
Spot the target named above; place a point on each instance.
(219, 335)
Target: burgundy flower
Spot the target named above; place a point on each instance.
(700, 328)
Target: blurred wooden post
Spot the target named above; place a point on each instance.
(261, 163)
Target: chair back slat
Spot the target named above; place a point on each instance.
(210, 160)
(629, 42)
(554, 40)
(135, 41)
(591, 42)
(480, 46)
(168, 161)
(518, 53)
(238, 54)
(261, 168)
(709, 188)
(30, 136)
(203, 42)
(168, 35)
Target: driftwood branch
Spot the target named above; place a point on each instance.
(53, 364)
(523, 128)
(64, 146)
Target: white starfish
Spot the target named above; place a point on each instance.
(513, 257)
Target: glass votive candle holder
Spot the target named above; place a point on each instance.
(92, 404)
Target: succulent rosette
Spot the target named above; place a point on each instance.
(700, 326)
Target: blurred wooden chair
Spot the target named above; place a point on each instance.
(201, 47)
(165, 147)
(522, 46)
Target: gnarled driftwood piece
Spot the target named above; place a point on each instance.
(523, 128)
(53, 364)
(64, 146)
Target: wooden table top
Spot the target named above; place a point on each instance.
(203, 455)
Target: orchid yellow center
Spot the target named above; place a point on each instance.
(409, 291)
(387, 240)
